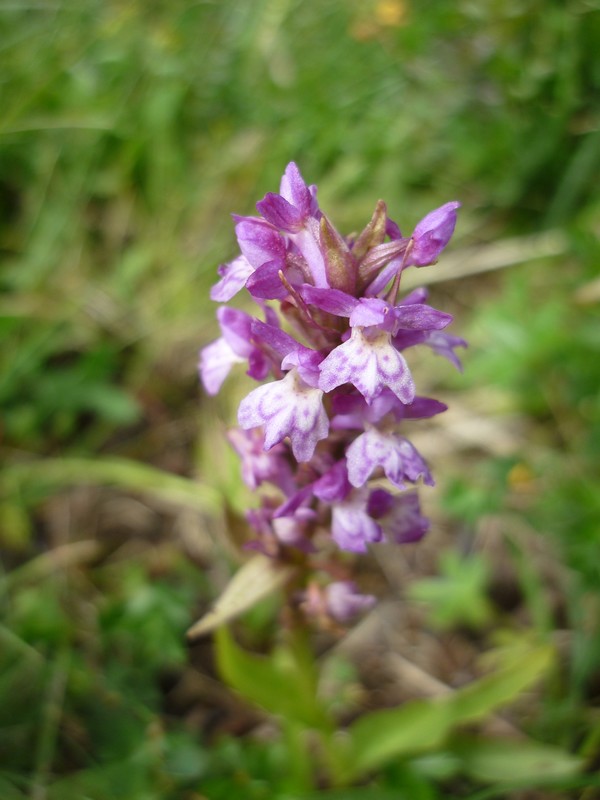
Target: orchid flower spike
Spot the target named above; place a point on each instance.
(322, 438)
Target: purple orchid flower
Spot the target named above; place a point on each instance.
(344, 601)
(320, 440)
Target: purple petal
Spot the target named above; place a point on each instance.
(233, 278)
(216, 360)
(260, 242)
(344, 601)
(295, 191)
(407, 338)
(443, 344)
(370, 363)
(283, 215)
(419, 316)
(394, 454)
(236, 326)
(432, 234)
(404, 523)
(423, 408)
(265, 283)
(287, 408)
(419, 295)
(258, 365)
(307, 241)
(272, 336)
(259, 466)
(392, 230)
(351, 526)
(334, 301)
(372, 311)
(333, 486)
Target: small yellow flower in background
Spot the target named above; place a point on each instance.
(378, 16)
(391, 13)
(521, 479)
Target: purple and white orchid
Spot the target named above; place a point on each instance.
(322, 435)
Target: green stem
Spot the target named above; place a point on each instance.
(302, 773)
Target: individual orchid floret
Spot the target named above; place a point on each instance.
(370, 362)
(292, 531)
(296, 213)
(397, 457)
(344, 601)
(235, 346)
(352, 526)
(432, 234)
(288, 407)
(399, 515)
(339, 601)
(260, 466)
(289, 210)
(353, 412)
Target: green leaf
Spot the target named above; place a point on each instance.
(276, 682)
(457, 596)
(423, 725)
(45, 476)
(495, 760)
(255, 580)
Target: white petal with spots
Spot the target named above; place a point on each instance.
(370, 362)
(288, 407)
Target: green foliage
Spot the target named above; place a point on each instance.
(457, 596)
(90, 705)
(498, 760)
(129, 131)
(424, 725)
(284, 684)
(279, 683)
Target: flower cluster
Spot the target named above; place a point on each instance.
(323, 436)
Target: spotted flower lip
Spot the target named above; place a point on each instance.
(287, 408)
(370, 363)
(394, 454)
(324, 438)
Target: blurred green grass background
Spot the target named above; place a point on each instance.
(129, 131)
